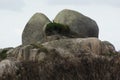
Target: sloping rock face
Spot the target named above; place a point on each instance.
(78, 23)
(3, 52)
(55, 66)
(28, 53)
(36, 52)
(68, 59)
(8, 67)
(33, 31)
(76, 46)
(109, 47)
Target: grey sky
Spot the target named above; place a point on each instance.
(14, 5)
(14, 14)
(84, 2)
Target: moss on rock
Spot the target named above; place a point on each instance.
(41, 47)
(57, 28)
(3, 54)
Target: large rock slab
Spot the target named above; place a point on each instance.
(8, 67)
(37, 52)
(33, 31)
(78, 23)
(76, 46)
(63, 46)
(58, 67)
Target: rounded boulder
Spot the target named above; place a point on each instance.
(33, 31)
(78, 23)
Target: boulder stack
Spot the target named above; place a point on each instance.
(80, 26)
(66, 49)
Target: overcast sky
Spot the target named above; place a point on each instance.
(14, 14)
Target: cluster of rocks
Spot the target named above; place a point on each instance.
(81, 39)
(81, 25)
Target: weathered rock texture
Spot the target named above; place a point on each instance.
(48, 53)
(80, 26)
(108, 47)
(3, 52)
(33, 31)
(76, 46)
(58, 67)
(8, 67)
(78, 23)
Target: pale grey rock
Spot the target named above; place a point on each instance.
(66, 47)
(33, 31)
(24, 53)
(108, 48)
(36, 55)
(78, 23)
(75, 46)
(14, 52)
(8, 67)
(27, 53)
